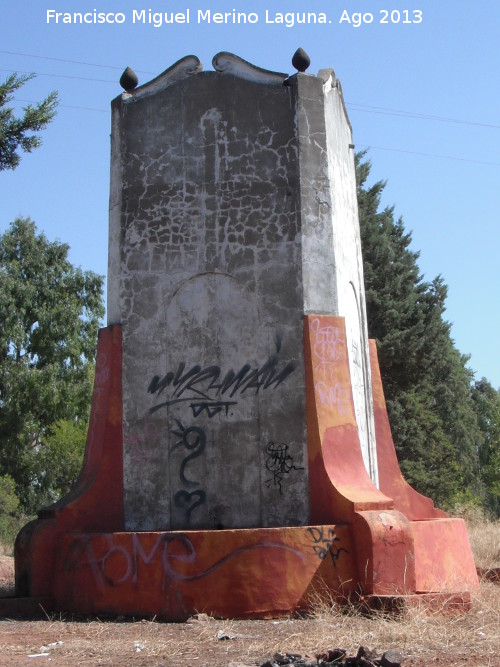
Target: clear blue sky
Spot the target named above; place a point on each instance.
(423, 97)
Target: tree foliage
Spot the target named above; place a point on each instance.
(9, 505)
(18, 133)
(426, 380)
(487, 405)
(60, 459)
(50, 314)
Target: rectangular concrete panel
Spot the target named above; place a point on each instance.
(210, 301)
(225, 229)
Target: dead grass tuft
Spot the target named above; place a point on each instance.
(417, 631)
(484, 537)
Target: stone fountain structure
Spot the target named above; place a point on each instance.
(239, 459)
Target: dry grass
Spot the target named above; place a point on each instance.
(471, 639)
(424, 638)
(484, 538)
(422, 634)
(6, 548)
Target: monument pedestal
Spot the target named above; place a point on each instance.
(239, 459)
(78, 557)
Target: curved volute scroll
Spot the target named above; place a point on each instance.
(228, 63)
(182, 69)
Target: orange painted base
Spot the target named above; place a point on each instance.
(404, 545)
(378, 543)
(414, 505)
(94, 503)
(232, 573)
(443, 557)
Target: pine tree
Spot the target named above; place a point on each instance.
(16, 133)
(486, 401)
(426, 380)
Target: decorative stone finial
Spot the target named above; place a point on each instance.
(301, 60)
(129, 80)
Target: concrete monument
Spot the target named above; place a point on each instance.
(239, 457)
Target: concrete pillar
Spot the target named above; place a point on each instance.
(233, 214)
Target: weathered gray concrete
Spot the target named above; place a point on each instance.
(232, 213)
(332, 263)
(349, 279)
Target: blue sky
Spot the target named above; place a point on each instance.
(422, 96)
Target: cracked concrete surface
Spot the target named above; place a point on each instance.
(223, 230)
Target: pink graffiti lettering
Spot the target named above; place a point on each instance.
(333, 397)
(170, 551)
(327, 343)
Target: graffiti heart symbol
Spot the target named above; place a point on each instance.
(189, 501)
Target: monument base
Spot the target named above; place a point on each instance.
(251, 573)
(373, 544)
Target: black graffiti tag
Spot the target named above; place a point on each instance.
(279, 462)
(188, 501)
(324, 544)
(209, 391)
(194, 440)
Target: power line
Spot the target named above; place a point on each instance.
(364, 108)
(66, 106)
(369, 109)
(436, 155)
(60, 76)
(73, 62)
(380, 148)
(411, 114)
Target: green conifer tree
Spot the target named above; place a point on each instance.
(18, 132)
(426, 380)
(486, 401)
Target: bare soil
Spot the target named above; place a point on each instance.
(425, 640)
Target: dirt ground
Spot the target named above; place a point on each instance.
(471, 639)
